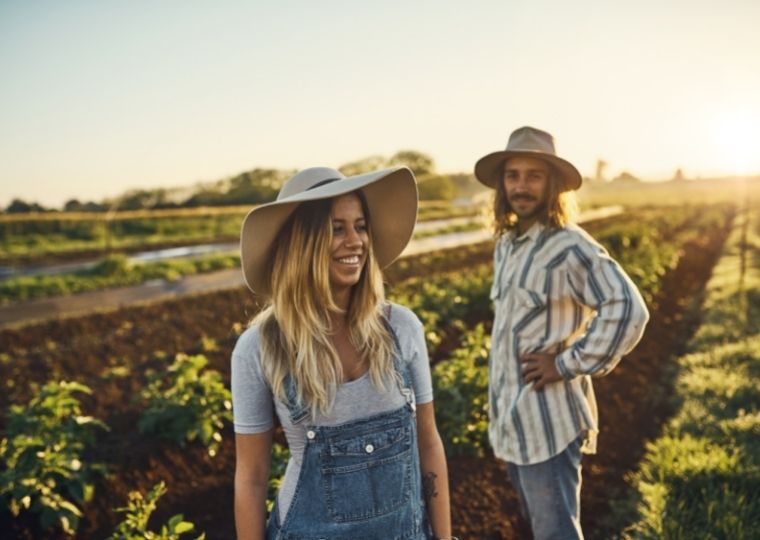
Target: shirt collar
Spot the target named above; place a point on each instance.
(531, 234)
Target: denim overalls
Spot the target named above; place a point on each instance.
(359, 480)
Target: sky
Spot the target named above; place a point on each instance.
(99, 97)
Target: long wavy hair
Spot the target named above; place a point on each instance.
(561, 205)
(295, 326)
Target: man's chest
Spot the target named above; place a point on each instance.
(531, 291)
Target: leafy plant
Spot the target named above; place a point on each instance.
(42, 455)
(444, 298)
(280, 456)
(461, 388)
(137, 514)
(186, 402)
(701, 477)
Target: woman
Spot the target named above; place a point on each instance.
(346, 373)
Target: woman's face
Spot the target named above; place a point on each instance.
(348, 251)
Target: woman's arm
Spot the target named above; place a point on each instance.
(435, 476)
(252, 458)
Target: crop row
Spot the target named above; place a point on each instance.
(117, 270)
(42, 235)
(45, 471)
(459, 299)
(701, 477)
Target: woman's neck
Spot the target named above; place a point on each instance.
(342, 298)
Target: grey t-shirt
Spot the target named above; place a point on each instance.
(254, 407)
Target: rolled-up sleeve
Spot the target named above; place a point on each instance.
(598, 282)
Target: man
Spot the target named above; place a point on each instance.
(565, 312)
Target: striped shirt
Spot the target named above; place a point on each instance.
(555, 291)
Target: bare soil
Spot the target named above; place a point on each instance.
(633, 404)
(631, 400)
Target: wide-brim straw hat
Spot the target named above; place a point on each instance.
(391, 196)
(528, 142)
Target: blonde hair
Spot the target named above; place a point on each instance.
(561, 205)
(295, 326)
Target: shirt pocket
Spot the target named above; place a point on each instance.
(529, 313)
(368, 475)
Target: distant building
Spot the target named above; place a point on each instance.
(626, 178)
(600, 165)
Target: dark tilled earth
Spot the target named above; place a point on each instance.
(632, 407)
(631, 401)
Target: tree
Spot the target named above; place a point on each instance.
(465, 184)
(18, 206)
(437, 187)
(137, 199)
(254, 187)
(205, 197)
(365, 165)
(74, 205)
(421, 164)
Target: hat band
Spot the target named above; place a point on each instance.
(323, 182)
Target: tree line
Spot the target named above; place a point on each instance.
(261, 185)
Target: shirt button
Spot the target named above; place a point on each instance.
(310, 434)
(369, 448)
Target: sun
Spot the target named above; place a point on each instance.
(738, 141)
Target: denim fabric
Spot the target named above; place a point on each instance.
(359, 480)
(550, 494)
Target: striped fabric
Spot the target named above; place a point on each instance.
(555, 291)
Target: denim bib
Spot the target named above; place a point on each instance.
(359, 480)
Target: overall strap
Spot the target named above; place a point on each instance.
(297, 410)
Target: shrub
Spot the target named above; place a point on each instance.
(138, 511)
(461, 386)
(186, 402)
(42, 456)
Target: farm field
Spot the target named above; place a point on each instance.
(669, 252)
(41, 238)
(701, 476)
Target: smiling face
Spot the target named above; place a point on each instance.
(526, 185)
(350, 240)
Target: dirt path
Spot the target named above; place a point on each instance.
(22, 313)
(484, 506)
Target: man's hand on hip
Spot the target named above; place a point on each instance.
(539, 368)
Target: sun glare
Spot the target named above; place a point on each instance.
(739, 143)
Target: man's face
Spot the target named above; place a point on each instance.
(526, 184)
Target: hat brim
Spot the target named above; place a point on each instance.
(487, 167)
(391, 196)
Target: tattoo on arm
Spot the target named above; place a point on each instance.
(428, 485)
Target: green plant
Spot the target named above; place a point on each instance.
(280, 457)
(42, 455)
(186, 402)
(461, 392)
(701, 477)
(441, 300)
(138, 512)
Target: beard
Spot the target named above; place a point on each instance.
(540, 209)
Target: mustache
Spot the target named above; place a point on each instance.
(522, 197)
